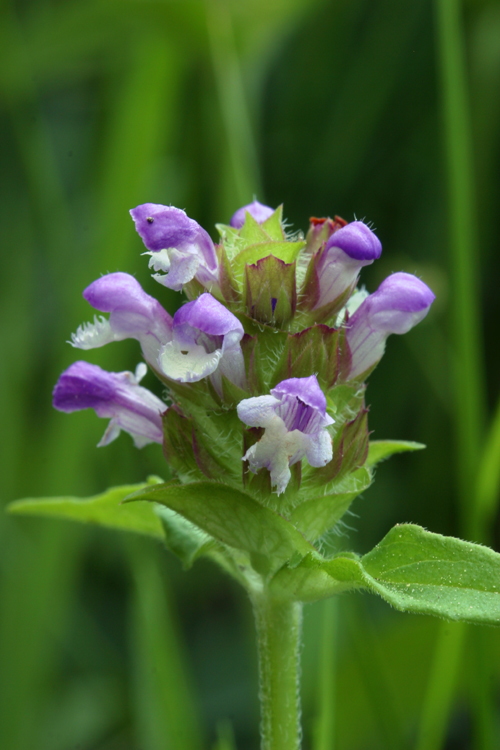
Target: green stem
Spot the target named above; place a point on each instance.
(278, 636)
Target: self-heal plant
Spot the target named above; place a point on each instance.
(265, 429)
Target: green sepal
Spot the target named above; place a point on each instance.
(104, 509)
(222, 435)
(350, 449)
(192, 289)
(183, 538)
(269, 291)
(309, 294)
(198, 446)
(233, 518)
(285, 251)
(252, 232)
(266, 349)
(228, 286)
(318, 514)
(178, 443)
(192, 393)
(230, 239)
(232, 394)
(379, 450)
(345, 400)
(273, 226)
(319, 350)
(253, 365)
(320, 230)
(412, 569)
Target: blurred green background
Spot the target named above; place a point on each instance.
(331, 107)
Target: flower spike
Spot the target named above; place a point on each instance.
(116, 395)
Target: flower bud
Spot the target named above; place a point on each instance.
(259, 211)
(116, 395)
(339, 263)
(400, 302)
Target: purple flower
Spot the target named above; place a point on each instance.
(133, 314)
(259, 212)
(294, 418)
(116, 395)
(339, 263)
(400, 302)
(178, 246)
(206, 341)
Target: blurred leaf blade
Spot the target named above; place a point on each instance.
(165, 706)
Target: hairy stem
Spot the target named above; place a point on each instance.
(278, 636)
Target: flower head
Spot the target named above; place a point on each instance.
(116, 395)
(338, 265)
(206, 341)
(179, 247)
(294, 418)
(259, 211)
(133, 314)
(400, 302)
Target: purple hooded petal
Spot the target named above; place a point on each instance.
(133, 314)
(259, 211)
(177, 245)
(206, 341)
(122, 293)
(209, 316)
(305, 389)
(339, 263)
(294, 418)
(117, 396)
(357, 241)
(400, 302)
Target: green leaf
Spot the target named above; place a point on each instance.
(412, 569)
(319, 514)
(285, 251)
(381, 449)
(103, 510)
(233, 518)
(182, 537)
(315, 578)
